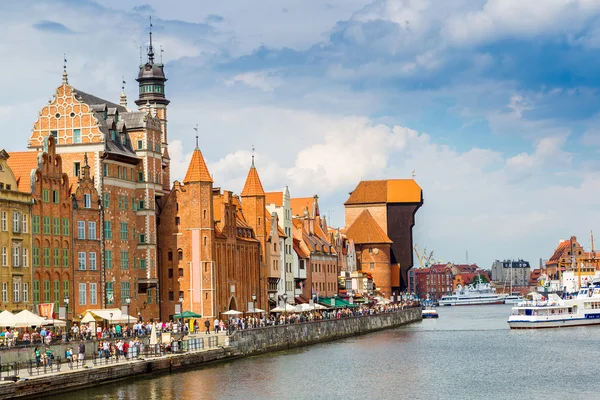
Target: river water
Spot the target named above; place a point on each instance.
(468, 353)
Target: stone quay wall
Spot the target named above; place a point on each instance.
(281, 337)
(239, 344)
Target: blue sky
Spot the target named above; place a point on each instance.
(494, 104)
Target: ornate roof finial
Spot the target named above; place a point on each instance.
(150, 49)
(196, 129)
(85, 159)
(413, 174)
(65, 78)
(161, 53)
(123, 101)
(141, 62)
(252, 156)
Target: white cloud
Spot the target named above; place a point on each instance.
(266, 80)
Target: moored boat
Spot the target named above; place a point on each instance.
(430, 313)
(480, 294)
(513, 299)
(554, 312)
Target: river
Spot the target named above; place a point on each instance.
(468, 353)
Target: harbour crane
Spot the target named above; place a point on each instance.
(425, 260)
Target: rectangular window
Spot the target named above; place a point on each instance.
(46, 225)
(25, 292)
(82, 294)
(5, 292)
(56, 257)
(140, 145)
(16, 256)
(142, 238)
(108, 258)
(4, 257)
(110, 298)
(91, 230)
(77, 136)
(87, 200)
(65, 288)
(55, 197)
(93, 293)
(46, 291)
(133, 204)
(170, 272)
(17, 292)
(16, 222)
(24, 222)
(124, 260)
(177, 220)
(76, 168)
(126, 203)
(140, 177)
(171, 295)
(149, 294)
(56, 226)
(36, 256)
(81, 260)
(125, 292)
(180, 272)
(45, 195)
(124, 231)
(65, 258)
(56, 294)
(4, 222)
(65, 226)
(80, 230)
(36, 224)
(142, 264)
(120, 202)
(107, 229)
(93, 264)
(105, 169)
(46, 257)
(36, 291)
(106, 200)
(25, 257)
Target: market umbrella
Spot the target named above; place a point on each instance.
(27, 318)
(7, 319)
(256, 311)
(287, 308)
(153, 336)
(232, 312)
(187, 315)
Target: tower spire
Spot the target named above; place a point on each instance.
(150, 49)
(65, 77)
(252, 156)
(196, 129)
(123, 101)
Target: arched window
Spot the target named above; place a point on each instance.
(180, 254)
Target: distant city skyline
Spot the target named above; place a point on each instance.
(493, 104)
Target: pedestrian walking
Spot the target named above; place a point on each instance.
(207, 325)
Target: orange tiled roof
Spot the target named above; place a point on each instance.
(386, 191)
(21, 163)
(299, 204)
(366, 230)
(561, 250)
(253, 186)
(197, 170)
(274, 198)
(298, 249)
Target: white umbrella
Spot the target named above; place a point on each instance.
(257, 310)
(153, 336)
(54, 322)
(232, 312)
(27, 318)
(7, 319)
(286, 308)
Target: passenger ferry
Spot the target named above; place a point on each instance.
(582, 309)
(481, 294)
(513, 299)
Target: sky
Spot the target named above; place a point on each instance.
(493, 104)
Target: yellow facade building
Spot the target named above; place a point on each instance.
(15, 241)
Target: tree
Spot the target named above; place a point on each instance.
(479, 279)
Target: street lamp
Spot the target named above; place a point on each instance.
(128, 301)
(284, 297)
(110, 324)
(393, 297)
(314, 298)
(254, 303)
(66, 300)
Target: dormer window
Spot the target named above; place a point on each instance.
(116, 116)
(113, 135)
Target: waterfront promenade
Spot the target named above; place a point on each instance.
(33, 381)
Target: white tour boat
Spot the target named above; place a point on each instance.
(482, 293)
(554, 312)
(513, 299)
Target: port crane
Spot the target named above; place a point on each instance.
(425, 260)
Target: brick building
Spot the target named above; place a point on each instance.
(392, 205)
(435, 281)
(15, 241)
(88, 287)
(209, 254)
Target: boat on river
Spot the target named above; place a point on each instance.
(513, 299)
(583, 308)
(479, 294)
(429, 313)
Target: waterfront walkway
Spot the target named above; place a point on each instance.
(193, 343)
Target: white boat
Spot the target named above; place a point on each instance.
(482, 293)
(513, 299)
(554, 312)
(430, 313)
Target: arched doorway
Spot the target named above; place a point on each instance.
(232, 304)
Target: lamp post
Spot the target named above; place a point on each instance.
(66, 300)
(393, 297)
(254, 303)
(128, 301)
(335, 300)
(284, 297)
(110, 324)
(314, 298)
